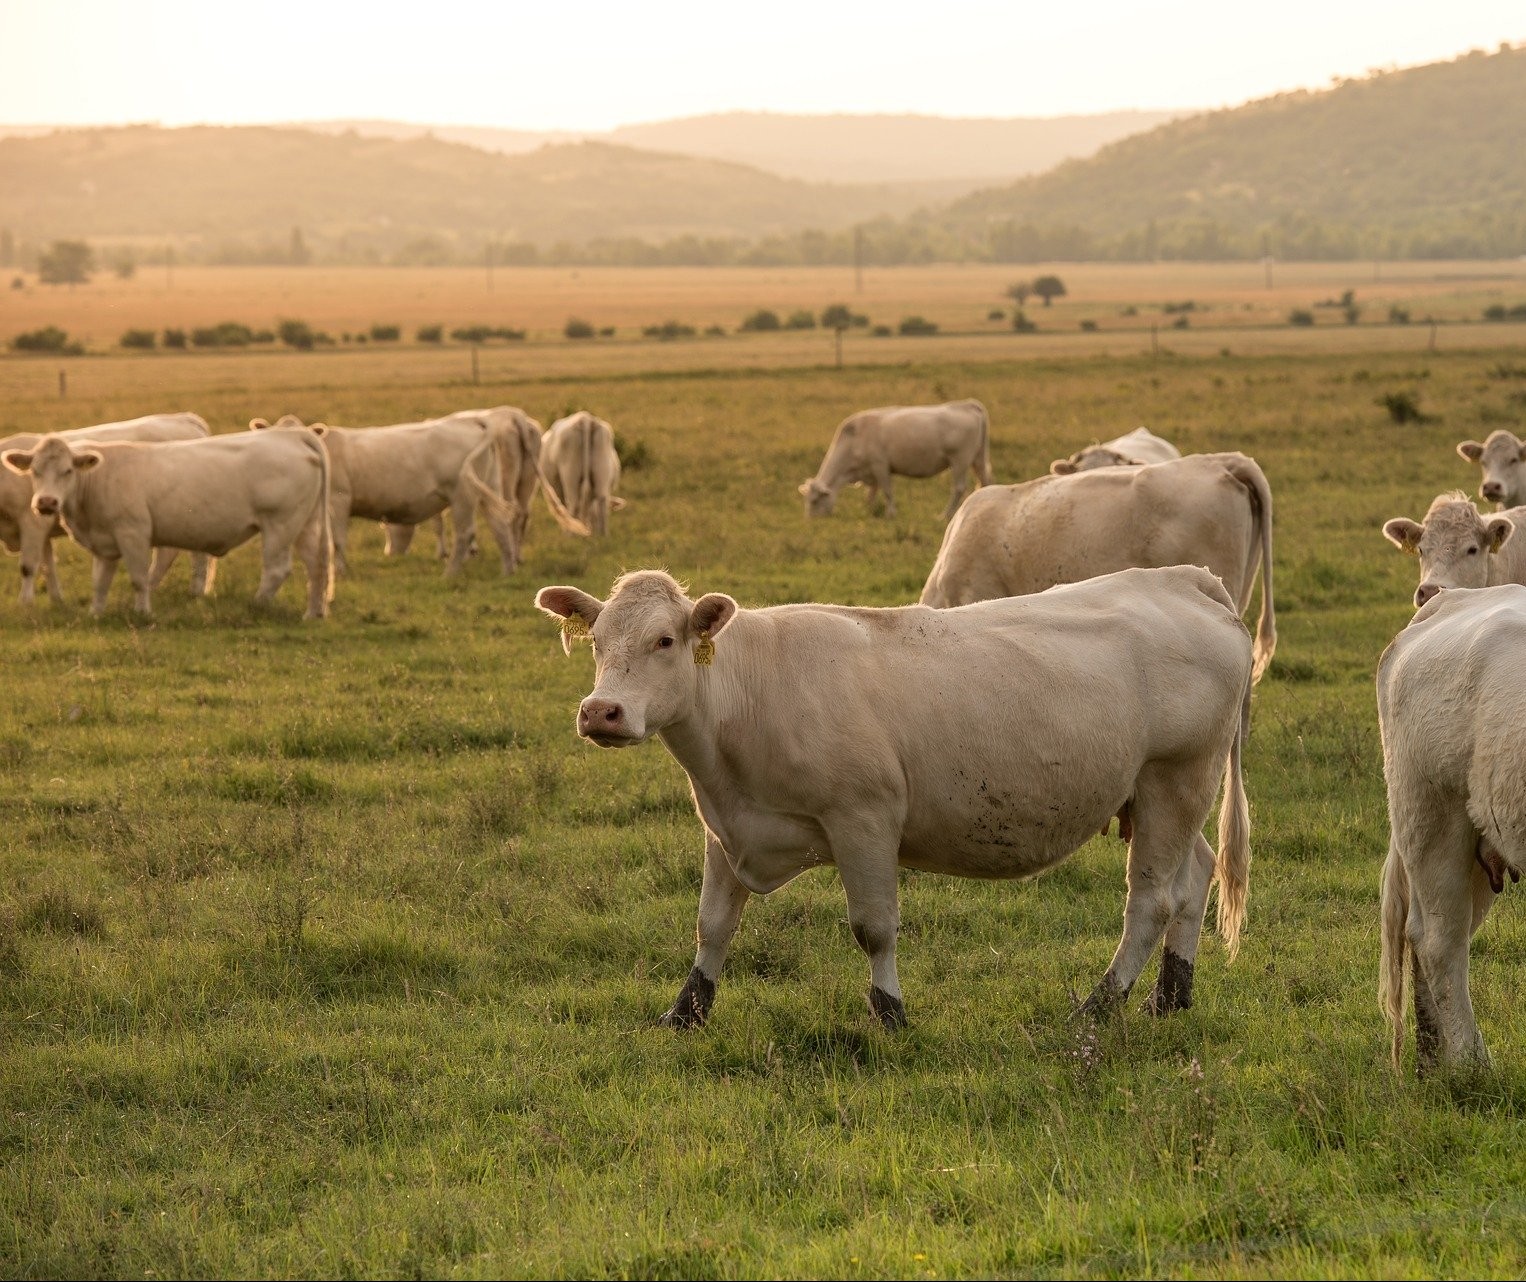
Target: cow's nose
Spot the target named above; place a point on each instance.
(45, 506)
(1425, 592)
(1493, 491)
(597, 716)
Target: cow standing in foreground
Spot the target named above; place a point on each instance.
(1451, 705)
(1139, 446)
(990, 741)
(23, 530)
(1502, 459)
(906, 440)
(121, 500)
(579, 456)
(1458, 548)
(1206, 509)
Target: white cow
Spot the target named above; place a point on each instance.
(1451, 705)
(410, 473)
(578, 455)
(1502, 458)
(23, 531)
(990, 741)
(1205, 509)
(1458, 548)
(119, 500)
(903, 440)
(1139, 446)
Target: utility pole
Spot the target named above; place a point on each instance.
(858, 260)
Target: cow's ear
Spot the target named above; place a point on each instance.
(1404, 534)
(259, 425)
(1497, 532)
(18, 461)
(711, 613)
(84, 460)
(318, 429)
(1062, 467)
(574, 607)
(1470, 450)
(804, 487)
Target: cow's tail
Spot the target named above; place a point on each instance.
(1232, 866)
(564, 518)
(983, 456)
(585, 472)
(1394, 948)
(1251, 476)
(325, 523)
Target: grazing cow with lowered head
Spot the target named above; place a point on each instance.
(956, 741)
(23, 531)
(1205, 509)
(1458, 548)
(579, 456)
(1139, 446)
(871, 446)
(120, 500)
(1502, 459)
(1451, 706)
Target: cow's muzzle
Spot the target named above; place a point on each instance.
(1493, 491)
(603, 721)
(45, 505)
(1425, 592)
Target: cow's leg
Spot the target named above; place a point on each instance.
(441, 544)
(1439, 861)
(37, 557)
(315, 548)
(463, 517)
(721, 900)
(399, 538)
(598, 515)
(275, 559)
(203, 574)
(164, 559)
(102, 571)
(961, 487)
(866, 861)
(1173, 986)
(883, 483)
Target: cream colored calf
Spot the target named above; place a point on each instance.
(1139, 446)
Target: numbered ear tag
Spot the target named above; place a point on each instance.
(704, 652)
(574, 626)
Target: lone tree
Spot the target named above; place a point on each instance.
(67, 262)
(1049, 288)
(1019, 293)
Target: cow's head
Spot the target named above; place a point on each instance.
(1502, 458)
(819, 498)
(55, 469)
(1092, 456)
(1454, 544)
(650, 643)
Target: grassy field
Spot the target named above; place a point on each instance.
(329, 950)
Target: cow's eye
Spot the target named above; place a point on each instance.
(1472, 551)
(665, 643)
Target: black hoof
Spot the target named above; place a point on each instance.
(1105, 998)
(691, 1007)
(1173, 986)
(890, 1011)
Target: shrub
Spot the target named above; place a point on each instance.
(881, 331)
(471, 334)
(18, 282)
(48, 339)
(386, 333)
(1130, 310)
(1494, 312)
(140, 338)
(1352, 312)
(837, 316)
(996, 314)
(1181, 322)
(1398, 315)
(1021, 324)
(800, 320)
(1049, 288)
(633, 455)
(1090, 326)
(668, 331)
(1172, 309)
(918, 325)
(509, 334)
(298, 334)
(1402, 407)
(1300, 316)
(607, 331)
(429, 333)
(576, 328)
(228, 334)
(715, 331)
(760, 321)
(174, 338)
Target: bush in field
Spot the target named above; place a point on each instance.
(1174, 309)
(228, 334)
(471, 334)
(1021, 324)
(386, 333)
(429, 333)
(606, 331)
(1181, 322)
(841, 316)
(715, 331)
(918, 325)
(760, 321)
(263, 336)
(881, 331)
(509, 334)
(174, 338)
(633, 455)
(996, 314)
(1090, 326)
(1499, 312)
(66, 262)
(1402, 407)
(1398, 315)
(668, 331)
(48, 339)
(577, 328)
(1049, 288)
(139, 338)
(298, 334)
(800, 320)
(1300, 316)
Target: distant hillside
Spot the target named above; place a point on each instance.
(245, 189)
(1424, 162)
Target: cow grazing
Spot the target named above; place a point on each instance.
(23, 530)
(1139, 446)
(1502, 459)
(1205, 509)
(579, 456)
(989, 741)
(1458, 548)
(410, 473)
(1451, 705)
(120, 500)
(871, 446)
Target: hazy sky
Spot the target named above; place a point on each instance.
(593, 64)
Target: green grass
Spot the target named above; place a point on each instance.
(328, 949)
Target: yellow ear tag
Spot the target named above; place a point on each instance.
(704, 652)
(574, 626)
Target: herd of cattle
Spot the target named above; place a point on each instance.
(1077, 655)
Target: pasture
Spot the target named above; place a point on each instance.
(328, 949)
